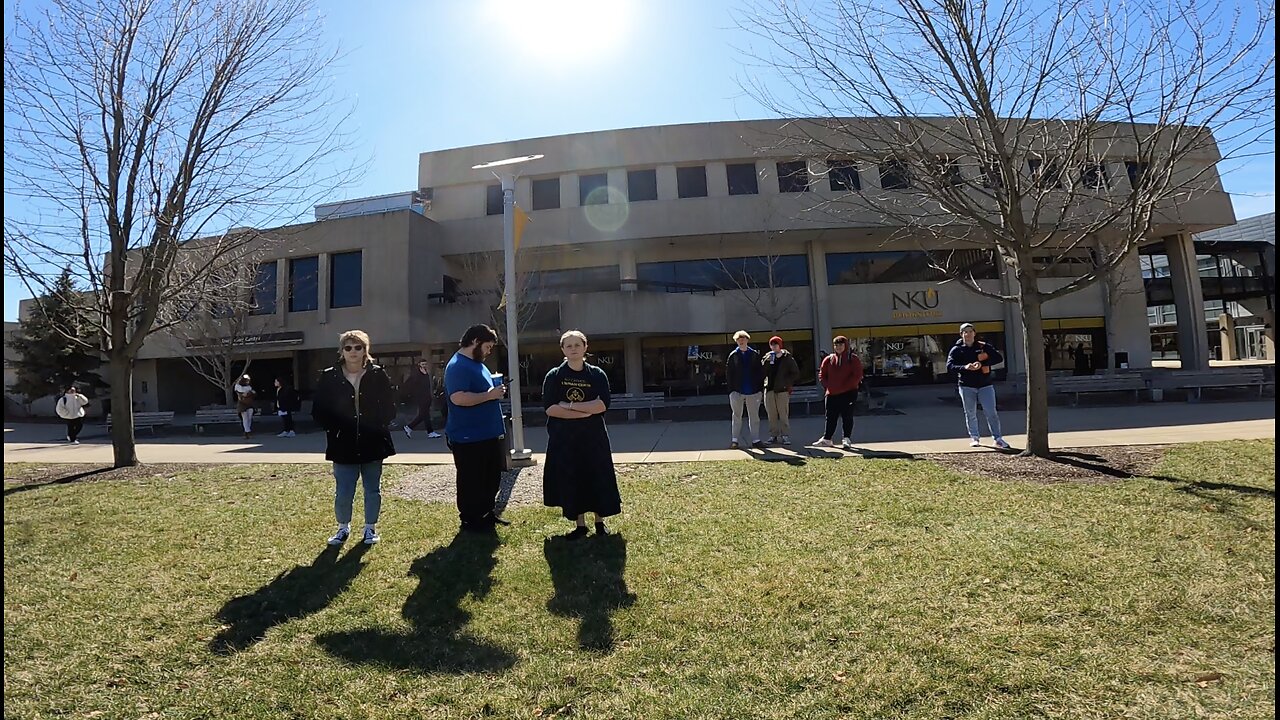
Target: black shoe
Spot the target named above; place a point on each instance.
(493, 519)
(601, 529)
(577, 534)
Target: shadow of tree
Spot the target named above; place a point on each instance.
(1087, 461)
(439, 641)
(589, 584)
(883, 454)
(57, 481)
(294, 593)
(767, 455)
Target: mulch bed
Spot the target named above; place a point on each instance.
(1097, 464)
(22, 476)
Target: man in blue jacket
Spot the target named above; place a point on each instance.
(971, 360)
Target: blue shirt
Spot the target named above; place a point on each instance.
(477, 422)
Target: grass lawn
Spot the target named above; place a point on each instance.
(856, 588)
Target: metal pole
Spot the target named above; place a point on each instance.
(519, 453)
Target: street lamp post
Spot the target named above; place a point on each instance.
(502, 169)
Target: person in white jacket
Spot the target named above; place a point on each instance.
(70, 407)
(244, 402)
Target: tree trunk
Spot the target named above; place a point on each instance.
(1033, 352)
(122, 438)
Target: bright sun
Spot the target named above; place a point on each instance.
(560, 28)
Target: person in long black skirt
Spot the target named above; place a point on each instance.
(578, 476)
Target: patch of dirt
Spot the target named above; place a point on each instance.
(437, 484)
(35, 475)
(1097, 464)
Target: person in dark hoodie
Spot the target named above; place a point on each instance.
(745, 377)
(971, 360)
(841, 375)
(780, 374)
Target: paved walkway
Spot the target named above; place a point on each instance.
(920, 429)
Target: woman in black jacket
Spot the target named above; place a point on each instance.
(355, 404)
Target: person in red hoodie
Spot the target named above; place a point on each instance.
(841, 375)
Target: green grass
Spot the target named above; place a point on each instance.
(860, 589)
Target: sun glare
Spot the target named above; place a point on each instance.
(556, 29)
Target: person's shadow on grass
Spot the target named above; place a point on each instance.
(438, 641)
(588, 578)
(294, 593)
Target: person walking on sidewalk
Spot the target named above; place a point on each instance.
(70, 407)
(971, 360)
(840, 375)
(780, 374)
(475, 429)
(420, 390)
(355, 404)
(745, 377)
(287, 403)
(245, 397)
(579, 477)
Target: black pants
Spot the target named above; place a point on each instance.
(74, 427)
(423, 416)
(479, 467)
(287, 420)
(840, 407)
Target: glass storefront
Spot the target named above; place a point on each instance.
(690, 365)
(536, 359)
(914, 354)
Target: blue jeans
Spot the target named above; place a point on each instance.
(346, 476)
(970, 397)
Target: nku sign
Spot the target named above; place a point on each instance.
(915, 304)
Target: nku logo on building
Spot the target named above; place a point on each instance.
(915, 304)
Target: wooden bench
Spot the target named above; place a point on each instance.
(216, 416)
(1225, 378)
(1084, 384)
(148, 420)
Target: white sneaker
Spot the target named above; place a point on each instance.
(434, 434)
(293, 434)
(786, 439)
(773, 439)
(822, 442)
(340, 536)
(370, 536)
(846, 444)
(284, 434)
(408, 432)
(974, 443)
(75, 442)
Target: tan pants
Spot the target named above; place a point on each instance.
(778, 406)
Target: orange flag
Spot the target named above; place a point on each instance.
(520, 220)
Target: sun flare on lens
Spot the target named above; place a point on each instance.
(558, 29)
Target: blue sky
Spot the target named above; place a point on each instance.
(442, 74)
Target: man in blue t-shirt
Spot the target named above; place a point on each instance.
(475, 429)
(745, 375)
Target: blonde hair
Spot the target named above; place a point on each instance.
(573, 333)
(741, 334)
(360, 336)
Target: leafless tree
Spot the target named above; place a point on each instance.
(484, 281)
(135, 126)
(756, 282)
(1012, 126)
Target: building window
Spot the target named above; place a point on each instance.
(345, 281)
(304, 284)
(1093, 175)
(946, 170)
(894, 175)
(574, 280)
(1137, 171)
(842, 175)
(724, 273)
(992, 177)
(1045, 174)
(493, 200)
(264, 289)
(908, 266)
(793, 176)
(593, 189)
(691, 182)
(546, 194)
(742, 179)
(642, 185)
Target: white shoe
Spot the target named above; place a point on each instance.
(75, 442)
(974, 443)
(822, 442)
(408, 432)
(773, 439)
(434, 434)
(786, 439)
(846, 444)
(284, 434)
(293, 434)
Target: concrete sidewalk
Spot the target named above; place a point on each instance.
(920, 429)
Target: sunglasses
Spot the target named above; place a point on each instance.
(353, 348)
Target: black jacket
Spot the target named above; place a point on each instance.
(287, 400)
(738, 363)
(962, 355)
(355, 438)
(418, 387)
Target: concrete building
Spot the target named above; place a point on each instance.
(658, 243)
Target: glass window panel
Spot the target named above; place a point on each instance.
(742, 179)
(345, 280)
(691, 182)
(793, 177)
(593, 189)
(546, 194)
(264, 289)
(493, 200)
(304, 284)
(842, 175)
(642, 185)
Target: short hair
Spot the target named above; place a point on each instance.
(573, 333)
(360, 336)
(481, 332)
(741, 334)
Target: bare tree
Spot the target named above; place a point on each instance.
(757, 282)
(1011, 126)
(134, 126)
(484, 280)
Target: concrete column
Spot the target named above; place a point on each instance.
(1269, 333)
(818, 296)
(1188, 298)
(282, 291)
(627, 272)
(717, 179)
(1227, 336)
(322, 292)
(634, 360)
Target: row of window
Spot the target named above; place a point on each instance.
(793, 177)
(346, 283)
